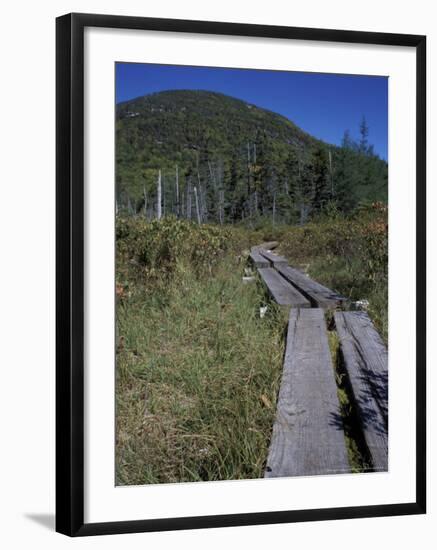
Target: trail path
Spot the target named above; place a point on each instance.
(308, 432)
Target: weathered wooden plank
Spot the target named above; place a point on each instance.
(258, 260)
(283, 292)
(319, 295)
(365, 359)
(308, 434)
(274, 259)
(270, 245)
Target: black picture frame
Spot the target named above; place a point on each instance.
(70, 273)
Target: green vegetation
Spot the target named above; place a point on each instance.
(346, 253)
(225, 161)
(356, 449)
(349, 255)
(197, 369)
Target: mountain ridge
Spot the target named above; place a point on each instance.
(220, 95)
(198, 129)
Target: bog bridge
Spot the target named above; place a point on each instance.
(308, 434)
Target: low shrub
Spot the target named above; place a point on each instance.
(349, 255)
(157, 249)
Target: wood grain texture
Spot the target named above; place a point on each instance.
(257, 260)
(319, 295)
(308, 435)
(274, 259)
(269, 245)
(365, 360)
(282, 291)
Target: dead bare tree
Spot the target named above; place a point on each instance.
(202, 202)
(158, 197)
(197, 205)
(221, 193)
(249, 183)
(164, 204)
(200, 196)
(189, 199)
(177, 192)
(182, 204)
(274, 208)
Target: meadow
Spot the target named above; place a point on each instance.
(198, 369)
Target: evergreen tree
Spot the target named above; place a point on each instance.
(289, 183)
(347, 141)
(266, 178)
(346, 181)
(364, 134)
(291, 174)
(234, 204)
(243, 161)
(320, 173)
(304, 191)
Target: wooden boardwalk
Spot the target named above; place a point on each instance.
(308, 436)
(282, 291)
(308, 433)
(365, 360)
(257, 260)
(319, 295)
(274, 259)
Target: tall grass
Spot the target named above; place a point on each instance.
(349, 255)
(197, 377)
(198, 370)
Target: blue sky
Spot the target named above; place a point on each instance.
(324, 105)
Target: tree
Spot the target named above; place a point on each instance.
(145, 202)
(177, 192)
(289, 178)
(234, 200)
(331, 174)
(304, 191)
(319, 168)
(196, 198)
(265, 173)
(189, 206)
(246, 163)
(363, 146)
(158, 197)
(346, 180)
(347, 142)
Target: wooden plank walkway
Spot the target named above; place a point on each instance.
(308, 436)
(273, 258)
(269, 245)
(365, 359)
(257, 260)
(308, 433)
(282, 291)
(319, 295)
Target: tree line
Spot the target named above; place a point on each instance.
(260, 181)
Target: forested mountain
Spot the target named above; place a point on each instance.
(214, 158)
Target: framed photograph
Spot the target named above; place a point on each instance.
(240, 274)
